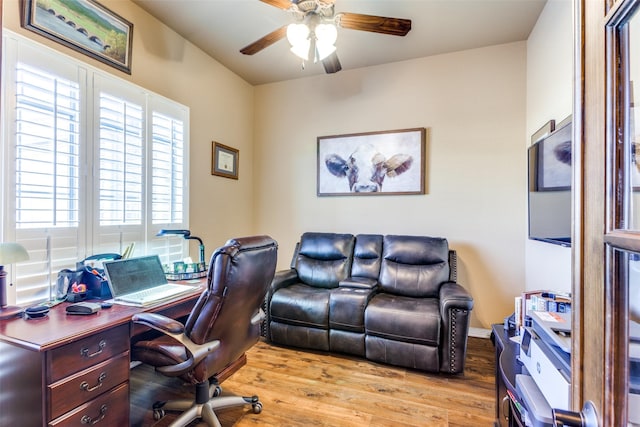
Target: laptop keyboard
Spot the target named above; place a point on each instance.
(158, 293)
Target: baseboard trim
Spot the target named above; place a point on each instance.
(479, 332)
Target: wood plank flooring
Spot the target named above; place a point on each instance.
(303, 388)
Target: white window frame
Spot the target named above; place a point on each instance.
(90, 237)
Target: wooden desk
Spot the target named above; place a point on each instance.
(67, 370)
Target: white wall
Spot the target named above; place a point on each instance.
(549, 96)
(221, 109)
(473, 104)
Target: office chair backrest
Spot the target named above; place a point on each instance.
(239, 275)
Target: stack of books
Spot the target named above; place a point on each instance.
(541, 300)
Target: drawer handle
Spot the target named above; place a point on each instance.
(85, 385)
(84, 352)
(505, 411)
(86, 419)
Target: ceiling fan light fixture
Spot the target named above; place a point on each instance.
(326, 36)
(314, 33)
(297, 34)
(301, 50)
(323, 50)
(326, 33)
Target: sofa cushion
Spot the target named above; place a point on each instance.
(324, 258)
(346, 308)
(301, 305)
(414, 266)
(300, 336)
(398, 353)
(367, 254)
(412, 320)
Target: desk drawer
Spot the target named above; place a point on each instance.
(73, 391)
(89, 351)
(109, 409)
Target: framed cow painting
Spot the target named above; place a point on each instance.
(372, 163)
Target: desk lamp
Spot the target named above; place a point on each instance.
(187, 235)
(9, 254)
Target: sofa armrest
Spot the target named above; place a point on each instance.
(359, 283)
(452, 295)
(281, 279)
(455, 309)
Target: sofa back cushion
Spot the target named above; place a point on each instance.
(324, 259)
(367, 255)
(414, 266)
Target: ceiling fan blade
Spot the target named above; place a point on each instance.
(375, 24)
(332, 64)
(280, 4)
(265, 41)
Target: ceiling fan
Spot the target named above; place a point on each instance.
(314, 31)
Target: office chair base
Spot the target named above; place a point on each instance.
(205, 411)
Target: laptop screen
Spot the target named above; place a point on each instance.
(134, 274)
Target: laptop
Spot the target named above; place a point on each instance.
(141, 281)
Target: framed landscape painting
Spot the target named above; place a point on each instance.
(372, 163)
(82, 25)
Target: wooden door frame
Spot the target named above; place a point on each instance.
(600, 315)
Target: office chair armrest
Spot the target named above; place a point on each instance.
(159, 322)
(174, 329)
(258, 317)
(196, 353)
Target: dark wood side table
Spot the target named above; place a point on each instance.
(507, 367)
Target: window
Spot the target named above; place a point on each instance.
(167, 169)
(91, 164)
(121, 157)
(47, 149)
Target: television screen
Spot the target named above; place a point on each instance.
(550, 187)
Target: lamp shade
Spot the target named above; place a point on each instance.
(12, 252)
(297, 34)
(326, 33)
(298, 37)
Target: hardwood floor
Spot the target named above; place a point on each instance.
(302, 388)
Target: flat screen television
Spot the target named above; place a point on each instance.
(550, 187)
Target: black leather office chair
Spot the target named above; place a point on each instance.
(224, 323)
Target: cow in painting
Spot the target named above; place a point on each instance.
(366, 168)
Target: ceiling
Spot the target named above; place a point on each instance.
(222, 27)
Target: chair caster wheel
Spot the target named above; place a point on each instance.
(158, 414)
(217, 391)
(257, 407)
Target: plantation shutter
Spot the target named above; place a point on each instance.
(120, 158)
(168, 180)
(90, 164)
(44, 188)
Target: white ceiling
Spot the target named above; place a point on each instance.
(222, 27)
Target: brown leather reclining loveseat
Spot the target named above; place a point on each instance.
(391, 299)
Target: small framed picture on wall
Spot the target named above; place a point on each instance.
(224, 160)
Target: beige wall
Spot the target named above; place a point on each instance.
(478, 106)
(473, 104)
(549, 96)
(221, 109)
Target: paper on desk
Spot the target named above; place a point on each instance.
(516, 338)
(549, 316)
